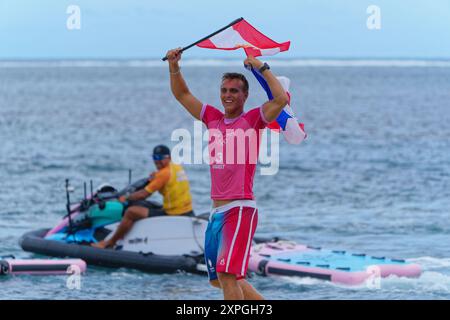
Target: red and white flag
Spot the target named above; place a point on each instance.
(243, 35)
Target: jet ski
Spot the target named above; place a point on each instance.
(161, 244)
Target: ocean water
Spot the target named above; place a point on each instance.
(373, 175)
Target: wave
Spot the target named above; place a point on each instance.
(432, 283)
(156, 63)
(431, 263)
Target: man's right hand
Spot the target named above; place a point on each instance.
(179, 87)
(174, 55)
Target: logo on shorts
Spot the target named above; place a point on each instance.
(222, 261)
(211, 268)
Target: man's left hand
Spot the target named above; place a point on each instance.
(252, 61)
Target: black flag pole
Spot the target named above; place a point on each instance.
(209, 36)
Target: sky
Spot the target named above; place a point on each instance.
(146, 29)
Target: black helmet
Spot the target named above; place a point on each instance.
(161, 152)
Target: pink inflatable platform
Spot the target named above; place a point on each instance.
(282, 258)
(42, 267)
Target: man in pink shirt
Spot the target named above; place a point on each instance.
(234, 215)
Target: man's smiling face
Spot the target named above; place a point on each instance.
(233, 96)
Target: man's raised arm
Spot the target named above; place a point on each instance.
(179, 87)
(271, 108)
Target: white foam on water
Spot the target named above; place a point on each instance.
(430, 283)
(302, 281)
(431, 263)
(157, 63)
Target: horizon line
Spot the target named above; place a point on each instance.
(368, 58)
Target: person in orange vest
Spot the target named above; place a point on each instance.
(171, 181)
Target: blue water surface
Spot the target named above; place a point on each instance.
(373, 175)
